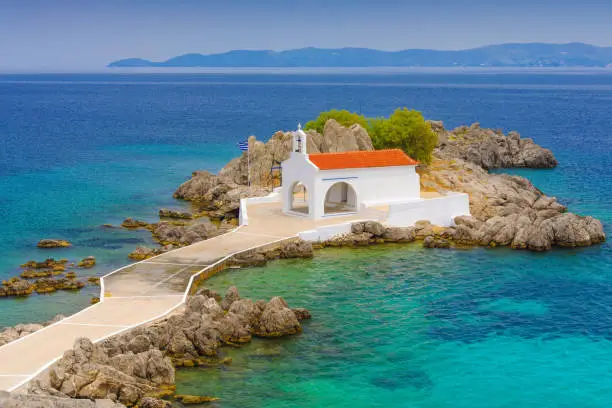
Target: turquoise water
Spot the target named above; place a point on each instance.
(400, 326)
(393, 325)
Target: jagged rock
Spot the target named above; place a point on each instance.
(230, 296)
(491, 149)
(168, 233)
(88, 262)
(249, 259)
(149, 402)
(87, 371)
(423, 229)
(350, 239)
(207, 292)
(296, 249)
(167, 213)
(205, 306)
(53, 243)
(373, 227)
(431, 242)
(399, 234)
(277, 320)
(141, 253)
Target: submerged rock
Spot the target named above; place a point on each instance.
(131, 223)
(194, 399)
(88, 262)
(53, 243)
(167, 213)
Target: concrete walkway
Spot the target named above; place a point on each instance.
(149, 290)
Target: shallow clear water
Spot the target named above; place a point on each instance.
(402, 326)
(393, 325)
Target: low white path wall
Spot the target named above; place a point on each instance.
(327, 232)
(243, 216)
(439, 211)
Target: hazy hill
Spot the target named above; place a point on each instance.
(504, 55)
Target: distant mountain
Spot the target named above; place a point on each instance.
(503, 55)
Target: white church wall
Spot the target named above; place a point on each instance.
(439, 211)
(297, 169)
(373, 186)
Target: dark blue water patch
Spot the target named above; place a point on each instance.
(401, 378)
(574, 307)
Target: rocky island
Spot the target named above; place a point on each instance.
(137, 367)
(506, 210)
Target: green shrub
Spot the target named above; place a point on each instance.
(407, 130)
(404, 129)
(343, 117)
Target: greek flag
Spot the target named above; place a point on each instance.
(244, 146)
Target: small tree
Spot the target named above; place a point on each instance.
(343, 117)
(407, 130)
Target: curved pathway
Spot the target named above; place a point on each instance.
(148, 290)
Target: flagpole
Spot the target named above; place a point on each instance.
(249, 162)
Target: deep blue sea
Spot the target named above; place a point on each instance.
(393, 326)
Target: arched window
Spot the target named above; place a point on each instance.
(340, 198)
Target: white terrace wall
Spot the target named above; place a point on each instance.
(439, 211)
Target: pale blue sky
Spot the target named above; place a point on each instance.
(83, 34)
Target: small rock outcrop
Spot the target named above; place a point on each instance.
(88, 262)
(53, 243)
(372, 232)
(296, 248)
(167, 213)
(490, 148)
(142, 253)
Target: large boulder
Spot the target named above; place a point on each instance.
(277, 320)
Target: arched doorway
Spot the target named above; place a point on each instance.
(340, 198)
(299, 199)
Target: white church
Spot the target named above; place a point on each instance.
(333, 184)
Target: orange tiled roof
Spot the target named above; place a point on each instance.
(362, 159)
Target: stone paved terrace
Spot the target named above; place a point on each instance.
(149, 290)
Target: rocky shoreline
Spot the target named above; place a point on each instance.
(137, 368)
